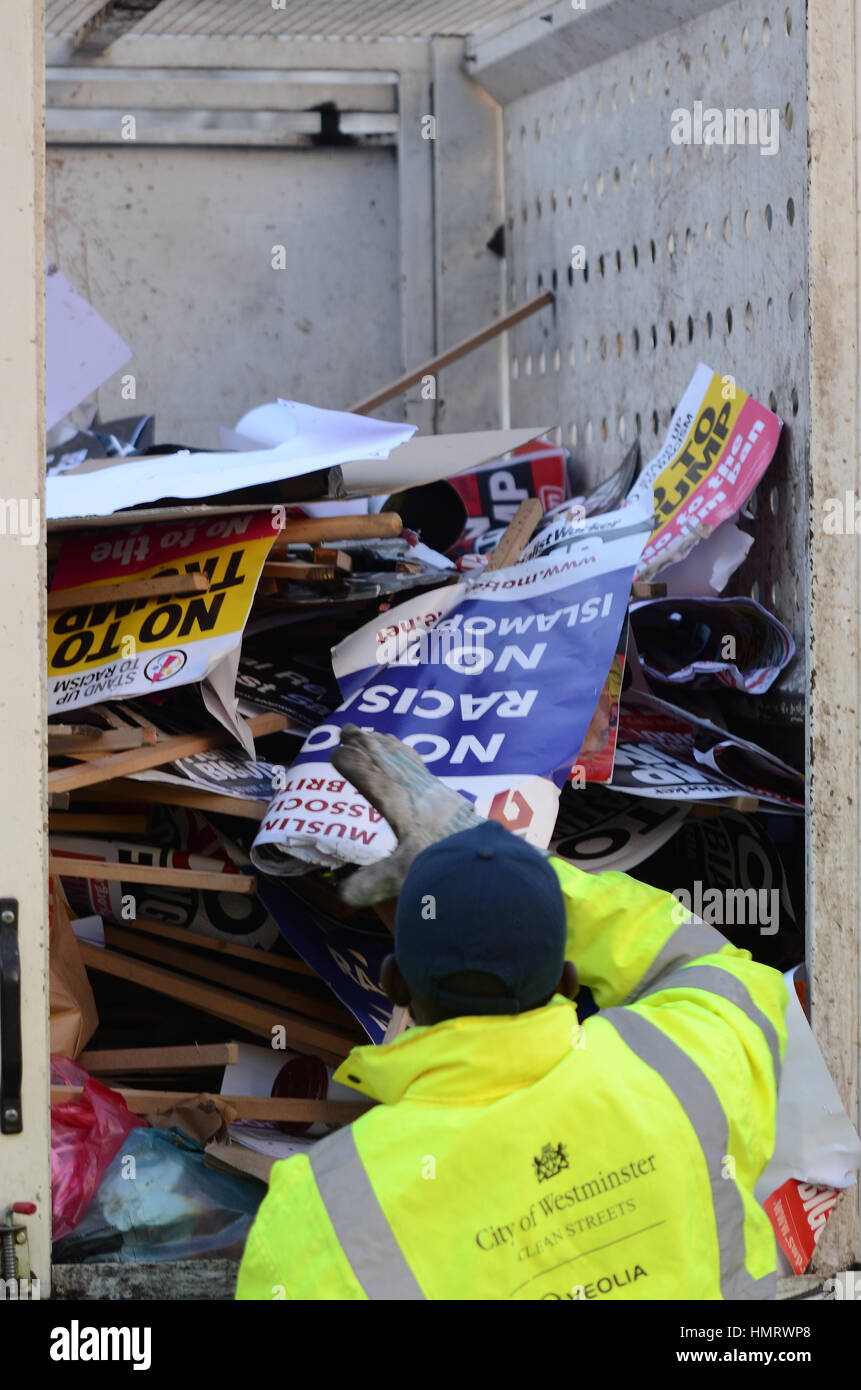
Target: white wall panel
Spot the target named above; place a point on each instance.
(174, 247)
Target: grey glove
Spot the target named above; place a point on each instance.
(418, 807)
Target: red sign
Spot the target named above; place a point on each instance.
(798, 1213)
(493, 492)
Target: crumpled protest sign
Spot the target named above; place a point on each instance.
(239, 918)
(603, 829)
(126, 647)
(719, 444)
(734, 641)
(817, 1151)
(228, 771)
(493, 682)
(664, 751)
(493, 492)
(349, 961)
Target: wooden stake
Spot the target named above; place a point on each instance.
(517, 534)
(100, 741)
(186, 937)
(66, 822)
(167, 751)
(297, 571)
(170, 794)
(115, 1060)
(76, 867)
(324, 555)
(90, 594)
(444, 359)
(315, 530)
(68, 730)
(335, 1112)
(300, 1034)
(229, 976)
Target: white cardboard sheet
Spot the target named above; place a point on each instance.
(320, 439)
(81, 350)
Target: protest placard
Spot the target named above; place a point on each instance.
(493, 681)
(125, 647)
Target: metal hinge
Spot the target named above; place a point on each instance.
(10, 1019)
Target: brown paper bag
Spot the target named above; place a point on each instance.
(74, 1019)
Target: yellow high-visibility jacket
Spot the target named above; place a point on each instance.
(530, 1157)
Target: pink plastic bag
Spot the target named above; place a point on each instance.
(86, 1133)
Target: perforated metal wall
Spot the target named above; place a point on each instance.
(693, 253)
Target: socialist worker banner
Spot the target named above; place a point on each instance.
(123, 647)
(493, 682)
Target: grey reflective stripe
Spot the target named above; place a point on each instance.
(691, 941)
(699, 1100)
(359, 1222)
(717, 981)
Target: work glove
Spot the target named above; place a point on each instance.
(417, 806)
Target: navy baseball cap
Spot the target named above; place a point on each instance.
(484, 901)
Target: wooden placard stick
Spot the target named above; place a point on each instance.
(444, 359)
(169, 794)
(242, 1014)
(191, 583)
(229, 976)
(336, 1112)
(300, 1034)
(166, 751)
(186, 937)
(317, 530)
(296, 570)
(78, 867)
(324, 555)
(116, 1060)
(65, 822)
(67, 730)
(517, 534)
(83, 756)
(100, 741)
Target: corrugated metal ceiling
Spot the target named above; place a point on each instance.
(69, 17)
(306, 18)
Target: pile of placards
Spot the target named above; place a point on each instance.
(559, 657)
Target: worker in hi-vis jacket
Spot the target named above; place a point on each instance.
(515, 1153)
